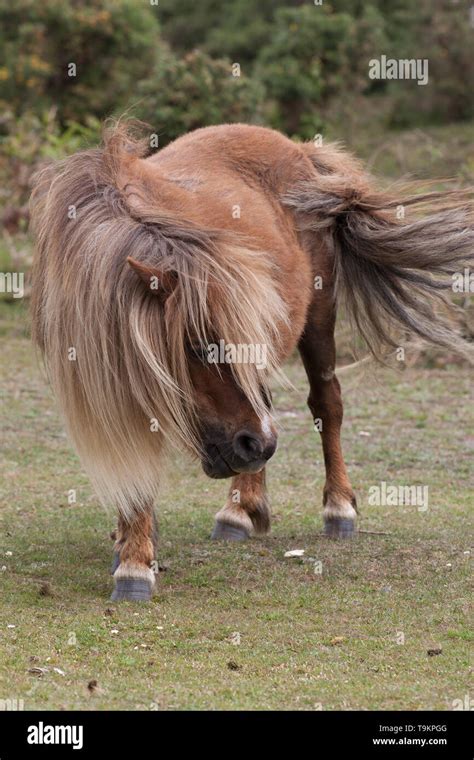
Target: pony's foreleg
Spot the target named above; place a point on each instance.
(318, 351)
(134, 552)
(246, 511)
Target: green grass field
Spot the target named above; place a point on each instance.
(240, 626)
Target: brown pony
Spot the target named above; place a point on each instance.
(169, 289)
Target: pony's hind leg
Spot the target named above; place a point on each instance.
(318, 351)
(246, 511)
(134, 552)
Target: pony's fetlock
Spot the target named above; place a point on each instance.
(247, 519)
(134, 551)
(246, 510)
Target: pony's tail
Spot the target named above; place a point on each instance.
(396, 259)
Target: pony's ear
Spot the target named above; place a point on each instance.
(160, 284)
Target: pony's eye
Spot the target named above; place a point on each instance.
(267, 397)
(199, 352)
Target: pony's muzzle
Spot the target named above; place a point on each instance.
(248, 452)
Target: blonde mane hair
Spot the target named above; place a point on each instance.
(114, 353)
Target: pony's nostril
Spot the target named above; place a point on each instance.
(269, 450)
(247, 446)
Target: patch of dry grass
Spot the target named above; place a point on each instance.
(354, 636)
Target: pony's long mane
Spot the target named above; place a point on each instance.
(115, 355)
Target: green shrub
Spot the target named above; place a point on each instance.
(236, 30)
(297, 66)
(111, 42)
(31, 140)
(182, 94)
(442, 33)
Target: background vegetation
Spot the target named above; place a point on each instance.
(303, 70)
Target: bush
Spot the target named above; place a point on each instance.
(29, 141)
(111, 42)
(442, 33)
(236, 30)
(315, 56)
(182, 94)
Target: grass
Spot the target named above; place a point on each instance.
(330, 640)
(422, 153)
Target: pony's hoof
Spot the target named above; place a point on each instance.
(226, 532)
(339, 527)
(131, 590)
(115, 563)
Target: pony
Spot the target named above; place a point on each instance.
(159, 278)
